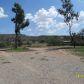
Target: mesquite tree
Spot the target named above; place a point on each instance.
(20, 22)
(69, 15)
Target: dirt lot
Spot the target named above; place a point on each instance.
(42, 66)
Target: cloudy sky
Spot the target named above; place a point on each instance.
(43, 16)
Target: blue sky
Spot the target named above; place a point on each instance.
(43, 16)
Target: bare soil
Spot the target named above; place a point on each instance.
(42, 66)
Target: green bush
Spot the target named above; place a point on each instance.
(39, 45)
(29, 43)
(4, 44)
(53, 41)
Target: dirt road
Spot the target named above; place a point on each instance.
(42, 66)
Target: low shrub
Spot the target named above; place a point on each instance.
(4, 44)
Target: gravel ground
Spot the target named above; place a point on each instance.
(43, 66)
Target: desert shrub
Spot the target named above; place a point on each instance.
(29, 43)
(53, 41)
(20, 43)
(39, 45)
(42, 41)
(4, 44)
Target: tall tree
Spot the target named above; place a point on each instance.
(20, 22)
(69, 14)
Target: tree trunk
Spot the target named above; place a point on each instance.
(19, 40)
(16, 36)
(71, 37)
(16, 41)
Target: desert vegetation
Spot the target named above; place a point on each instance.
(44, 57)
(17, 40)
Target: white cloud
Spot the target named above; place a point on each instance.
(51, 31)
(61, 25)
(2, 13)
(52, 12)
(50, 20)
(81, 14)
(29, 29)
(80, 22)
(44, 18)
(60, 16)
(29, 16)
